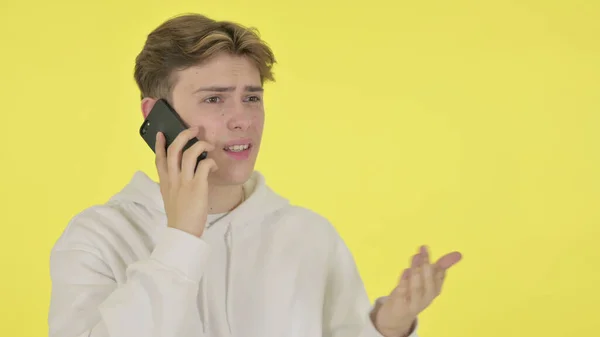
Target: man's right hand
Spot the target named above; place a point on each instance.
(184, 187)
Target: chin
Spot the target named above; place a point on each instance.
(232, 176)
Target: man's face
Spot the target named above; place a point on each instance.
(224, 98)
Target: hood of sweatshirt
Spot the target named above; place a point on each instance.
(260, 199)
(260, 202)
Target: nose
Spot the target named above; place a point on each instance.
(241, 119)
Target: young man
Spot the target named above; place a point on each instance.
(214, 251)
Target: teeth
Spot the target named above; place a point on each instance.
(238, 148)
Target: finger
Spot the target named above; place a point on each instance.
(174, 151)
(448, 260)
(161, 158)
(189, 159)
(424, 252)
(401, 291)
(416, 281)
(414, 270)
(405, 274)
(414, 261)
(429, 289)
(205, 167)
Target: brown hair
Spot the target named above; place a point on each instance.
(189, 40)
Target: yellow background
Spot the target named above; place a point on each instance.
(465, 125)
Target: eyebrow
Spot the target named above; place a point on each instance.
(250, 88)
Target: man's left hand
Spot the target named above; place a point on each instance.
(419, 285)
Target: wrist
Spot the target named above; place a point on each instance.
(404, 328)
(400, 332)
(410, 329)
(197, 232)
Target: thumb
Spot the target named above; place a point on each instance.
(448, 260)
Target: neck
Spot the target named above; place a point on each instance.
(223, 199)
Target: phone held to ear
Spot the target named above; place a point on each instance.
(163, 118)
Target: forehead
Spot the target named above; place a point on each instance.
(221, 70)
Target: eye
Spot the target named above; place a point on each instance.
(213, 99)
(253, 99)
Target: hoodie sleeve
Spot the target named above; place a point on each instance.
(347, 307)
(154, 301)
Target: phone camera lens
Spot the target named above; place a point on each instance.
(145, 127)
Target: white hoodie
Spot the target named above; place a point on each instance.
(266, 269)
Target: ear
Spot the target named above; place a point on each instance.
(147, 105)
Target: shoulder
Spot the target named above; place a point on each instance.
(104, 226)
(309, 222)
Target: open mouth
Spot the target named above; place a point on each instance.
(238, 148)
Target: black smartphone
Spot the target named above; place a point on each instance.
(163, 118)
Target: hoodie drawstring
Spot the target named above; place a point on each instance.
(204, 307)
(228, 300)
(228, 304)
